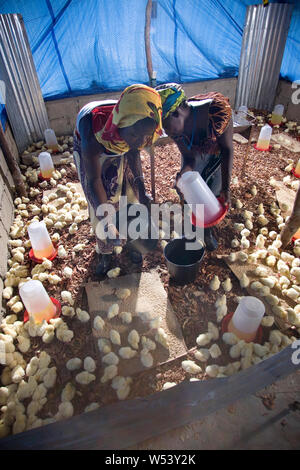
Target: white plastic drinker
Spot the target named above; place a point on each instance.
(37, 301)
(248, 315)
(40, 240)
(196, 191)
(46, 164)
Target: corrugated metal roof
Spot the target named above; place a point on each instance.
(25, 106)
(264, 39)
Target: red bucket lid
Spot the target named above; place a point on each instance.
(224, 328)
(220, 216)
(57, 313)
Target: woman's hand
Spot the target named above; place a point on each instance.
(145, 199)
(225, 196)
(184, 169)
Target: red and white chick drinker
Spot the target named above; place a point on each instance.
(264, 138)
(277, 114)
(41, 243)
(296, 170)
(51, 141)
(245, 322)
(207, 210)
(39, 306)
(46, 165)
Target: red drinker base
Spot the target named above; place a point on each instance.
(263, 150)
(220, 216)
(272, 125)
(295, 174)
(57, 306)
(38, 260)
(224, 328)
(42, 178)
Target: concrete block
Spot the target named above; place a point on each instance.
(239, 139)
(4, 251)
(62, 113)
(28, 158)
(4, 170)
(289, 97)
(6, 209)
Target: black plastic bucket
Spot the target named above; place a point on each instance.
(183, 264)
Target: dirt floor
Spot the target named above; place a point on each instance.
(193, 303)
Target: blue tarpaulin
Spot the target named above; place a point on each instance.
(90, 46)
(3, 116)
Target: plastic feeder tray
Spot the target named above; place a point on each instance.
(224, 328)
(57, 306)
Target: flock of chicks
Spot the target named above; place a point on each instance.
(275, 277)
(111, 359)
(62, 210)
(20, 380)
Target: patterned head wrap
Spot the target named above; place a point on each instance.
(137, 102)
(172, 95)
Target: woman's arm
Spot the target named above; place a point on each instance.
(135, 164)
(226, 147)
(91, 149)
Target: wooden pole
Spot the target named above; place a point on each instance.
(152, 168)
(12, 165)
(247, 153)
(152, 80)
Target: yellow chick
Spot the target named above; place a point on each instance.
(146, 358)
(109, 373)
(191, 367)
(127, 353)
(115, 337)
(85, 378)
(134, 339)
(215, 283)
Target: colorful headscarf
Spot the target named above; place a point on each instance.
(137, 102)
(172, 95)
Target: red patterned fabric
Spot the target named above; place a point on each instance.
(101, 114)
